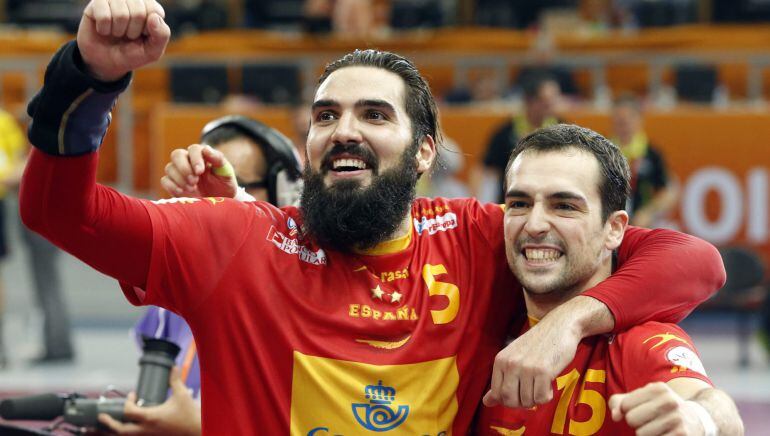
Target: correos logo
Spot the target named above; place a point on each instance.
(377, 415)
(362, 398)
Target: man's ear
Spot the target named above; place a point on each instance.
(426, 153)
(616, 224)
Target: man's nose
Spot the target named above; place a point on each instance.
(347, 130)
(537, 221)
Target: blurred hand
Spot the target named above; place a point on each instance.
(656, 409)
(199, 171)
(180, 415)
(523, 371)
(117, 36)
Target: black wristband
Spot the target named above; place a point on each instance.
(70, 115)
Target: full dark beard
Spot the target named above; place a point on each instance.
(344, 216)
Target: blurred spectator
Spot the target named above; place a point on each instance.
(653, 192)
(482, 85)
(601, 15)
(542, 105)
(317, 16)
(360, 18)
(597, 14)
(562, 75)
(545, 62)
(57, 341)
(347, 18)
(11, 148)
(42, 258)
(444, 180)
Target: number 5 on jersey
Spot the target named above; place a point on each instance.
(450, 291)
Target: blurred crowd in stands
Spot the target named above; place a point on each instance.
(373, 17)
(372, 20)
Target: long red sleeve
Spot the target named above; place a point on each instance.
(667, 276)
(60, 199)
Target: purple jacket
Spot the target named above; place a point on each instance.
(163, 324)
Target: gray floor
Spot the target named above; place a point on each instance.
(101, 319)
(107, 356)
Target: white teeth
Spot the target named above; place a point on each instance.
(354, 163)
(545, 254)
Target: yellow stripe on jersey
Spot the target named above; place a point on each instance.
(508, 431)
(386, 345)
(664, 337)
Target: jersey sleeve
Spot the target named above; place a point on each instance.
(662, 276)
(193, 243)
(487, 219)
(176, 250)
(657, 352)
(60, 199)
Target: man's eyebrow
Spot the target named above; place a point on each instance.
(376, 103)
(561, 195)
(516, 193)
(323, 103)
(566, 195)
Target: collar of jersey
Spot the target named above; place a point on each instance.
(389, 247)
(532, 320)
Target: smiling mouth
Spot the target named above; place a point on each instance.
(343, 165)
(541, 255)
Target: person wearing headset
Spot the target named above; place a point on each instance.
(267, 168)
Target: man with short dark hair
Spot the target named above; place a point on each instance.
(363, 310)
(565, 199)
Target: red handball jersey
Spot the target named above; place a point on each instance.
(603, 366)
(296, 339)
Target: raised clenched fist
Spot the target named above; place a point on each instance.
(117, 36)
